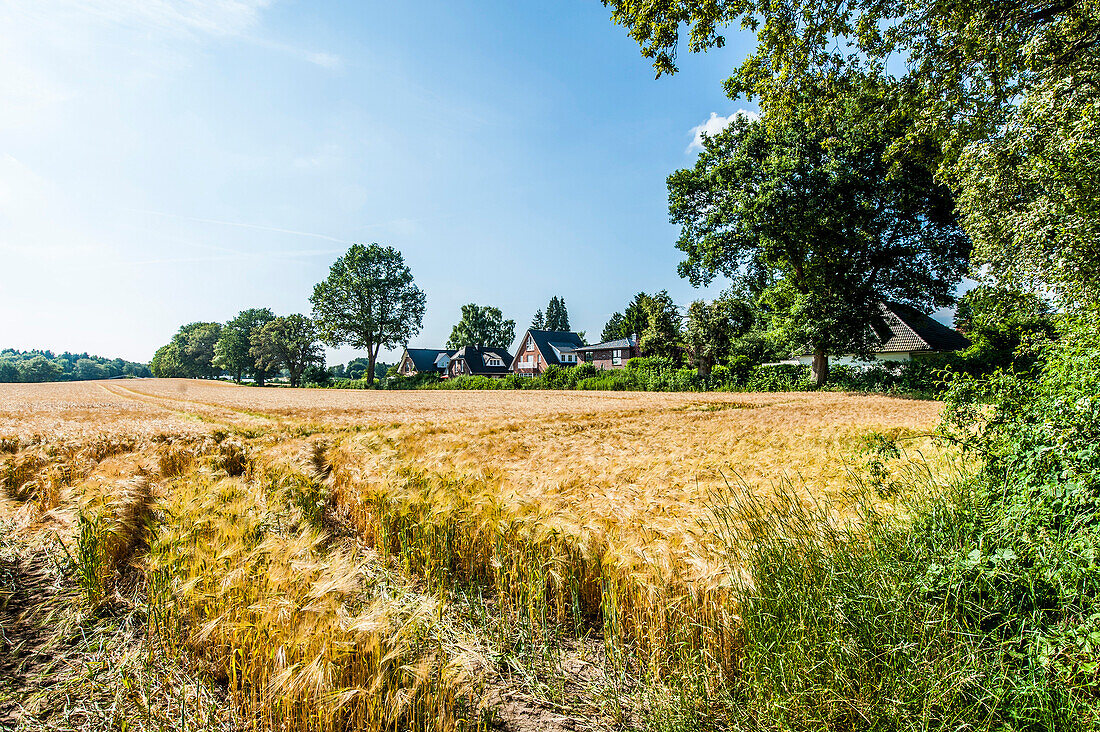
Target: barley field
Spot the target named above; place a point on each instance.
(181, 554)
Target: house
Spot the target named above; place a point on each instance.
(541, 348)
(611, 354)
(479, 361)
(905, 334)
(424, 361)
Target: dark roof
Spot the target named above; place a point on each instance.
(903, 328)
(546, 340)
(474, 356)
(424, 358)
(621, 343)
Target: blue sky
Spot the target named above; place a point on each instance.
(165, 161)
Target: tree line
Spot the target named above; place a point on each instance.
(369, 301)
(40, 366)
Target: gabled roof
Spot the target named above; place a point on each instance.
(621, 343)
(903, 328)
(547, 340)
(424, 358)
(475, 356)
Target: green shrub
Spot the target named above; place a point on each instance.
(585, 371)
(472, 383)
(778, 377)
(350, 384)
(609, 381)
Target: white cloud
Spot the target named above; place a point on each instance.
(59, 50)
(208, 17)
(714, 125)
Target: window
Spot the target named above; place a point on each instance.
(490, 361)
(617, 357)
(530, 343)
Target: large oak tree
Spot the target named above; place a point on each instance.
(807, 209)
(368, 301)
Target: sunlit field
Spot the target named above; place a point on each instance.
(306, 559)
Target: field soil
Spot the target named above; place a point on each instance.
(527, 555)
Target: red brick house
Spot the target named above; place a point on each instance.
(610, 354)
(479, 361)
(541, 348)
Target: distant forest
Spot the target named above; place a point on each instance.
(37, 366)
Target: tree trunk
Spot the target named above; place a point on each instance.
(372, 356)
(238, 375)
(819, 370)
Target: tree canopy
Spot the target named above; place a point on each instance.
(818, 222)
(190, 353)
(233, 351)
(482, 325)
(713, 328)
(654, 319)
(368, 301)
(289, 342)
(613, 329)
(37, 366)
(556, 317)
(1000, 92)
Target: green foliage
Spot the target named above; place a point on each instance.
(1000, 94)
(357, 367)
(655, 319)
(90, 560)
(478, 383)
(557, 316)
(617, 380)
(781, 377)
(167, 362)
(9, 370)
(808, 212)
(190, 354)
(613, 329)
(1031, 192)
(1005, 327)
(482, 326)
(36, 366)
(416, 381)
(539, 321)
(289, 342)
(368, 301)
(713, 328)
(316, 374)
(233, 351)
(966, 64)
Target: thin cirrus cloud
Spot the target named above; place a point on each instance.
(38, 33)
(246, 225)
(713, 126)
